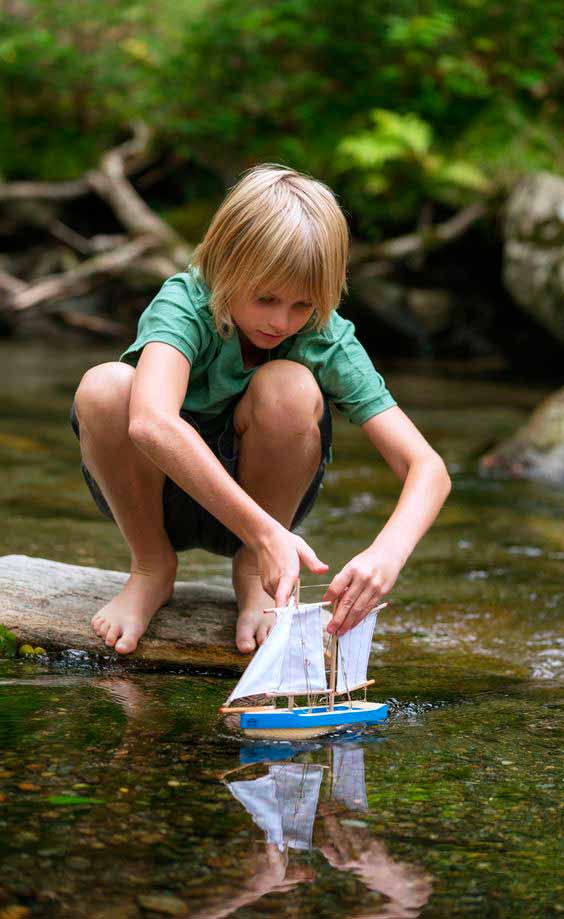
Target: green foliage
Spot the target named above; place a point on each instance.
(396, 151)
(72, 75)
(509, 142)
(465, 89)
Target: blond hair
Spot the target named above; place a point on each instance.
(275, 226)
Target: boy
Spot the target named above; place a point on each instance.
(213, 430)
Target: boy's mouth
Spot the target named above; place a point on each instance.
(271, 337)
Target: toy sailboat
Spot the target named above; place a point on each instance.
(291, 662)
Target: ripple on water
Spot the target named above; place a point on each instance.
(529, 551)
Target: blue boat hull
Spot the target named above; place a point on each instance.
(301, 722)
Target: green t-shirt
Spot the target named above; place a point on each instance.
(179, 315)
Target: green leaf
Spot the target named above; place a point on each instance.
(408, 130)
(367, 151)
(65, 800)
(464, 175)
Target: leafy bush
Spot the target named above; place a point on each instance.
(466, 91)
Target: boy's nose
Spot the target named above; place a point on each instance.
(278, 325)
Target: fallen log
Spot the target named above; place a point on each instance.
(149, 244)
(50, 604)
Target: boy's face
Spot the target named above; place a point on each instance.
(266, 317)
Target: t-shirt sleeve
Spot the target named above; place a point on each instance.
(172, 317)
(347, 375)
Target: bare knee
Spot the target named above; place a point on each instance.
(104, 391)
(283, 398)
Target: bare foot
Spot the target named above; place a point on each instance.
(123, 620)
(253, 625)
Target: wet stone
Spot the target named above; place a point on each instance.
(165, 904)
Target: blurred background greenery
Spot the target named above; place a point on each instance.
(401, 107)
(399, 89)
(420, 114)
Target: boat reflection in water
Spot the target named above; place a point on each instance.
(312, 806)
(283, 803)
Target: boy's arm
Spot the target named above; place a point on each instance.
(358, 587)
(155, 426)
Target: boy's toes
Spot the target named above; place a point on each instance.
(127, 643)
(245, 638)
(246, 645)
(262, 633)
(112, 635)
(103, 628)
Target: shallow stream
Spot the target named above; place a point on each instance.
(118, 795)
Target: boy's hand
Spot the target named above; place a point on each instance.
(280, 558)
(359, 587)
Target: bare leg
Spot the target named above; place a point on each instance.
(279, 453)
(133, 489)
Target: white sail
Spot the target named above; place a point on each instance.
(264, 670)
(259, 799)
(353, 654)
(283, 803)
(349, 786)
(297, 790)
(290, 660)
(303, 667)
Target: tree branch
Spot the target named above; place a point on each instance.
(96, 324)
(45, 191)
(10, 283)
(110, 182)
(427, 238)
(130, 150)
(153, 246)
(79, 279)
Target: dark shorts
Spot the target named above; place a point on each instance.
(188, 524)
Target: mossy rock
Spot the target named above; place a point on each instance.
(49, 605)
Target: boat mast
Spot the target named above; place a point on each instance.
(296, 594)
(333, 672)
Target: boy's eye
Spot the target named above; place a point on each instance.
(300, 306)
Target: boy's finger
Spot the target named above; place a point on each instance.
(341, 616)
(284, 590)
(356, 613)
(336, 587)
(364, 602)
(309, 558)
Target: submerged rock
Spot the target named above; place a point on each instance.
(51, 604)
(163, 903)
(535, 451)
